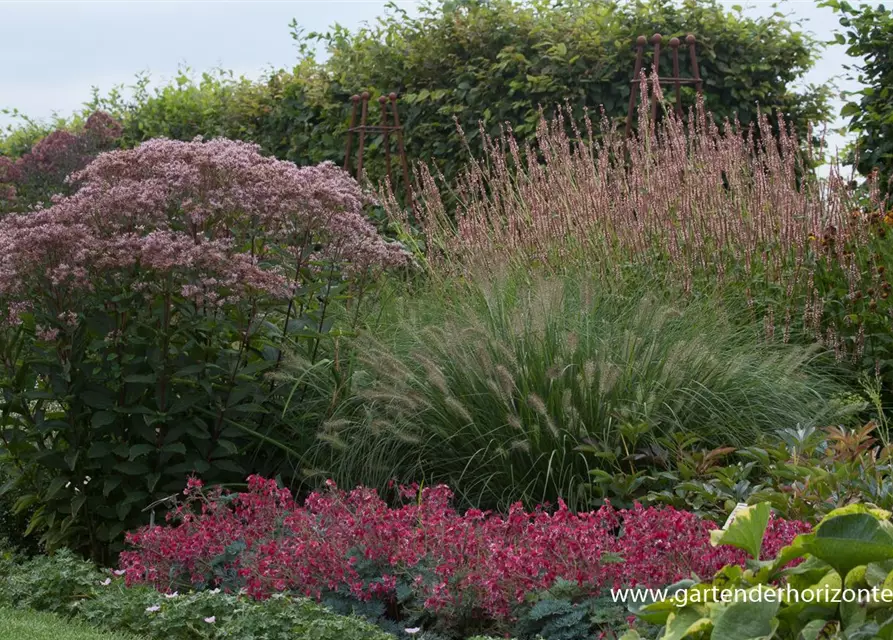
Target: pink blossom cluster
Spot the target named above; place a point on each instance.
(217, 218)
(48, 152)
(9, 175)
(54, 156)
(478, 561)
(102, 128)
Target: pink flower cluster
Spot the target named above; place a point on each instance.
(10, 173)
(477, 561)
(56, 155)
(217, 218)
(102, 128)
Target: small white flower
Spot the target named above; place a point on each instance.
(171, 595)
(214, 591)
(153, 609)
(211, 620)
(119, 572)
(413, 630)
(106, 582)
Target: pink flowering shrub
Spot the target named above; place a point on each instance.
(141, 313)
(477, 563)
(39, 174)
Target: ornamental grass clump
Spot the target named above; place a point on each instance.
(140, 313)
(521, 386)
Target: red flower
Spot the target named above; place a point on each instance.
(451, 560)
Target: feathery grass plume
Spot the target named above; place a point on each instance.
(642, 359)
(682, 201)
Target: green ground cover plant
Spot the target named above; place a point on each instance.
(18, 624)
(73, 597)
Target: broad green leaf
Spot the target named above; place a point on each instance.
(751, 620)
(847, 541)
(103, 419)
(877, 572)
(77, 502)
(880, 514)
(110, 485)
(56, 485)
(97, 400)
(139, 450)
(132, 468)
(885, 629)
(746, 530)
(657, 612)
(819, 629)
(686, 621)
(797, 549)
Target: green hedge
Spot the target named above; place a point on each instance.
(867, 34)
(474, 61)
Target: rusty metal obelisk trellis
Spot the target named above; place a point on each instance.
(677, 80)
(361, 104)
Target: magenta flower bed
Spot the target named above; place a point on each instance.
(476, 561)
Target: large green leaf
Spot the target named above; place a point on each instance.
(847, 541)
(818, 629)
(685, 622)
(746, 530)
(753, 619)
(658, 611)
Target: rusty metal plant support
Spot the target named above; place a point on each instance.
(677, 80)
(361, 104)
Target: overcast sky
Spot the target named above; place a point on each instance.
(53, 52)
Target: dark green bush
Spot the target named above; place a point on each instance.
(136, 343)
(867, 34)
(14, 519)
(488, 62)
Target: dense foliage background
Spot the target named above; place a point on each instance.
(867, 33)
(473, 62)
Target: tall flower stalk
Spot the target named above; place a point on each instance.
(684, 201)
